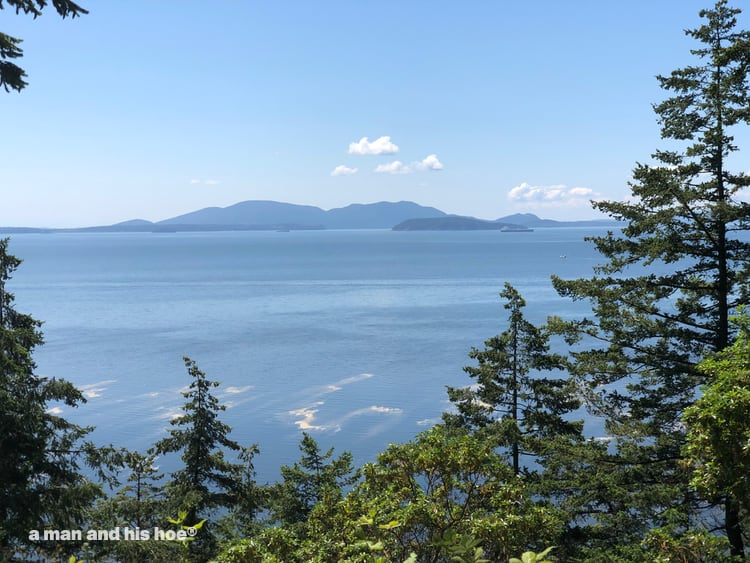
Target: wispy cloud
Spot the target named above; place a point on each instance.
(342, 170)
(381, 145)
(395, 167)
(558, 195)
(428, 163)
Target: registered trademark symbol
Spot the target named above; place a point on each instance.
(192, 531)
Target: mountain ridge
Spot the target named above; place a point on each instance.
(282, 216)
(379, 215)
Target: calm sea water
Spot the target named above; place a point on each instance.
(350, 335)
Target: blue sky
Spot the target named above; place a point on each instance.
(149, 108)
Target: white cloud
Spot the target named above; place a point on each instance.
(558, 195)
(429, 162)
(342, 170)
(384, 145)
(395, 167)
(381, 145)
(584, 192)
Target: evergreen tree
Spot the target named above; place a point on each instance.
(141, 499)
(511, 399)
(207, 481)
(41, 485)
(306, 482)
(672, 278)
(11, 75)
(139, 505)
(242, 517)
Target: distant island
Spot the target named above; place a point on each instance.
(264, 215)
(519, 222)
(458, 223)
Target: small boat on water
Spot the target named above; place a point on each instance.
(516, 230)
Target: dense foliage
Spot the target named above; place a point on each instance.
(718, 440)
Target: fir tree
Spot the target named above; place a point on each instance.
(207, 481)
(41, 483)
(672, 278)
(138, 506)
(306, 482)
(511, 399)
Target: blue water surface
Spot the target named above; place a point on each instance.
(349, 335)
